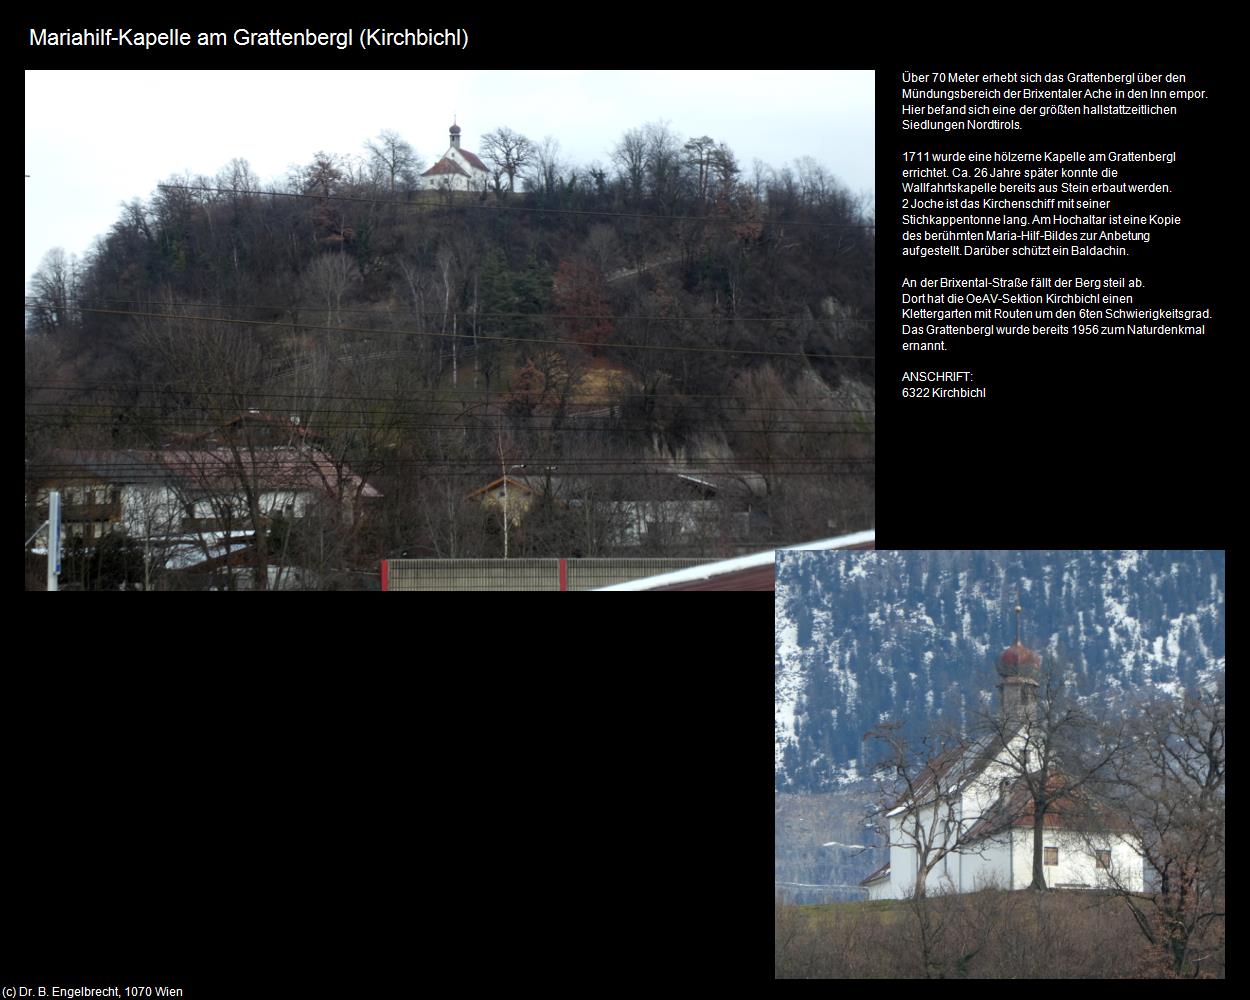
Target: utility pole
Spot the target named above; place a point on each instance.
(505, 506)
(54, 538)
(53, 524)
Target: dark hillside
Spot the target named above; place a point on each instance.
(610, 333)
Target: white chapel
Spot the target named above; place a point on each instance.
(456, 170)
(975, 796)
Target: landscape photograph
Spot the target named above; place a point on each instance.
(999, 764)
(431, 330)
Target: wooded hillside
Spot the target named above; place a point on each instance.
(601, 334)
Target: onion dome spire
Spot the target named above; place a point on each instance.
(1017, 660)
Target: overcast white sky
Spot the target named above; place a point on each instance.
(95, 139)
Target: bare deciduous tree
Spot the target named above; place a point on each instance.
(548, 166)
(321, 177)
(1173, 783)
(393, 160)
(663, 162)
(699, 152)
(53, 292)
(220, 368)
(509, 151)
(327, 279)
(1065, 756)
(630, 159)
(923, 784)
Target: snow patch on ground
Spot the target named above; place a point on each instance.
(850, 774)
(855, 567)
(788, 679)
(1127, 561)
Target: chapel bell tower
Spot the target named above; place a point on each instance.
(1018, 669)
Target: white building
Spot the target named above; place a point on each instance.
(980, 814)
(196, 489)
(456, 170)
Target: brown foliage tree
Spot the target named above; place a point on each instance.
(582, 309)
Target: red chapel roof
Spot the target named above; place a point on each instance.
(446, 166)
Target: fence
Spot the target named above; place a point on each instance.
(521, 574)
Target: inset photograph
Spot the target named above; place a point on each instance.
(992, 751)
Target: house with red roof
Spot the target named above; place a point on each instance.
(199, 488)
(456, 170)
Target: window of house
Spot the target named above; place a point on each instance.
(1104, 858)
(1052, 855)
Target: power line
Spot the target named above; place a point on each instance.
(483, 469)
(730, 418)
(605, 466)
(320, 427)
(434, 206)
(478, 340)
(650, 318)
(484, 474)
(549, 460)
(50, 421)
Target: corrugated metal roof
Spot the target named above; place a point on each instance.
(744, 572)
(759, 578)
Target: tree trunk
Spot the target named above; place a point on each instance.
(1039, 872)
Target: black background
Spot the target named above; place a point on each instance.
(267, 805)
(1082, 442)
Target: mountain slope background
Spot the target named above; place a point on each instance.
(912, 637)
